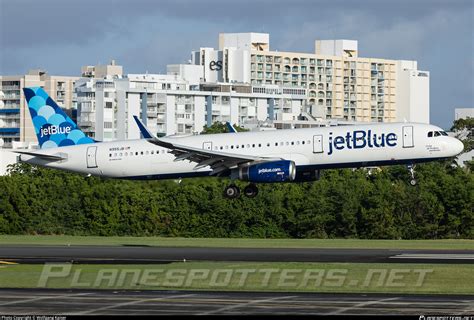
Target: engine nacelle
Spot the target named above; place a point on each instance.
(275, 171)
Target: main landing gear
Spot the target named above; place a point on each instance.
(233, 192)
(411, 169)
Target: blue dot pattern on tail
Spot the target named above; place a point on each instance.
(52, 126)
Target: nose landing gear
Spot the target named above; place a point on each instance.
(233, 192)
(411, 169)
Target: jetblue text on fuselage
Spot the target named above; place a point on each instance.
(359, 139)
(50, 130)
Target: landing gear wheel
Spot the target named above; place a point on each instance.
(232, 191)
(251, 190)
(411, 168)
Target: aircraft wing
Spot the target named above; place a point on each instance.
(219, 161)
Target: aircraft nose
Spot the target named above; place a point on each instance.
(457, 146)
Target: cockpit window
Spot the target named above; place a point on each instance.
(436, 134)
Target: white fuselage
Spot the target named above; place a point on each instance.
(314, 148)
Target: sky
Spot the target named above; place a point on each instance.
(60, 36)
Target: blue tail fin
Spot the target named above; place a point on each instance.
(52, 126)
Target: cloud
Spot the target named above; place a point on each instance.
(145, 35)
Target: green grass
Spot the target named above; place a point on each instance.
(238, 242)
(345, 277)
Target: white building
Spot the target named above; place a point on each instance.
(177, 103)
(412, 95)
(463, 113)
(346, 86)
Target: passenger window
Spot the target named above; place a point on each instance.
(253, 145)
(259, 145)
(222, 148)
(268, 144)
(292, 143)
(276, 144)
(303, 142)
(136, 153)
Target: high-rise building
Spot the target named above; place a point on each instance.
(338, 83)
(15, 120)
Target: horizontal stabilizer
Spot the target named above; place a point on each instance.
(50, 157)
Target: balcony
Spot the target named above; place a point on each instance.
(11, 131)
(11, 97)
(84, 124)
(5, 111)
(5, 88)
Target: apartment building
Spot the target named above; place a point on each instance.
(177, 103)
(15, 120)
(337, 81)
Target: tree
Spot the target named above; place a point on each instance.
(220, 127)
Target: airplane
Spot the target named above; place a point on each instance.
(295, 155)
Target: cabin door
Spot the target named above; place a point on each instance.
(408, 137)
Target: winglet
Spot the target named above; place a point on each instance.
(230, 127)
(144, 130)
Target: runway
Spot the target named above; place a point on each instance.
(156, 255)
(104, 302)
